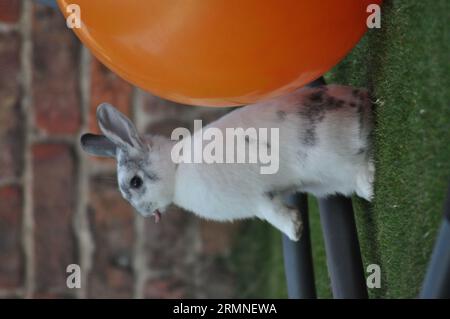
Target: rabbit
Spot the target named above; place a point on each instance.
(324, 149)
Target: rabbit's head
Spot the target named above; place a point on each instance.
(145, 171)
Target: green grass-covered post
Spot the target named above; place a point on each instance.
(437, 279)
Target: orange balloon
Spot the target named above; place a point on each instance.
(219, 52)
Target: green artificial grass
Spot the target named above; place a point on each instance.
(406, 65)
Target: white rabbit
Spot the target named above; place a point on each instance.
(324, 149)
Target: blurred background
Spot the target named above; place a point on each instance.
(60, 207)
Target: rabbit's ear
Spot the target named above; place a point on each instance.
(118, 128)
(98, 145)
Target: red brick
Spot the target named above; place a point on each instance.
(165, 127)
(159, 107)
(10, 119)
(54, 202)
(217, 238)
(218, 281)
(9, 10)
(107, 87)
(56, 60)
(10, 245)
(179, 262)
(172, 260)
(112, 225)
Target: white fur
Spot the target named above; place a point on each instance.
(339, 161)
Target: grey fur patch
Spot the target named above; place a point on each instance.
(151, 176)
(302, 155)
(141, 191)
(333, 103)
(126, 163)
(270, 195)
(360, 151)
(310, 136)
(148, 207)
(288, 190)
(313, 110)
(317, 96)
(125, 189)
(281, 115)
(339, 103)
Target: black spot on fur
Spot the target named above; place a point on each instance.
(333, 103)
(330, 102)
(281, 115)
(316, 97)
(270, 195)
(310, 136)
(151, 176)
(339, 103)
(352, 104)
(313, 110)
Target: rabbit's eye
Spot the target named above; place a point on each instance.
(136, 182)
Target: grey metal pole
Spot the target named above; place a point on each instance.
(437, 279)
(298, 262)
(342, 248)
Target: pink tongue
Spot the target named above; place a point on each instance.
(157, 215)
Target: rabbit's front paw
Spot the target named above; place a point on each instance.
(286, 219)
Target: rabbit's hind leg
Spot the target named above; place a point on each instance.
(284, 218)
(364, 181)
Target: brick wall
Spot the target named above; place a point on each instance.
(59, 207)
